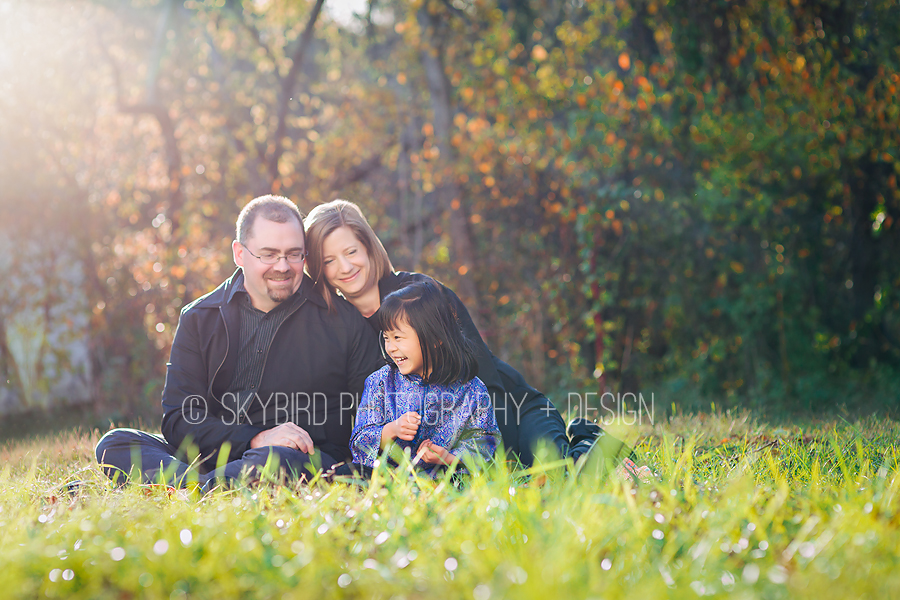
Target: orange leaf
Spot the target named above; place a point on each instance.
(617, 226)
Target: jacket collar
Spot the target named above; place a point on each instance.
(224, 294)
(390, 283)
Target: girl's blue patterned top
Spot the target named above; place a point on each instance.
(458, 417)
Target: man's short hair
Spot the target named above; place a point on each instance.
(272, 208)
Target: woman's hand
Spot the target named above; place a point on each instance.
(434, 454)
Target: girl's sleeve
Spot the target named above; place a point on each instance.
(479, 434)
(365, 441)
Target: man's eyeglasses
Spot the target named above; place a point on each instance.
(270, 258)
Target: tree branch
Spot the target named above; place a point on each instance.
(457, 12)
(152, 106)
(355, 172)
(287, 89)
(238, 10)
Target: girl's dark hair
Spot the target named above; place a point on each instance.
(448, 356)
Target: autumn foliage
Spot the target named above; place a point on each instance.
(630, 195)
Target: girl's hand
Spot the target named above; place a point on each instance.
(434, 454)
(630, 472)
(406, 426)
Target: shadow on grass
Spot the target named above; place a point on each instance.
(37, 423)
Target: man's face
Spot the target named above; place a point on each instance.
(269, 285)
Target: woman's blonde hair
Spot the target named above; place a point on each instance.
(321, 222)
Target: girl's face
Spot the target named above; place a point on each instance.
(345, 263)
(402, 345)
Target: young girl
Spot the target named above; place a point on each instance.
(427, 399)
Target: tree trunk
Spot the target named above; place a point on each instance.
(447, 190)
(8, 369)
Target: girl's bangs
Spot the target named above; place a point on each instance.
(391, 315)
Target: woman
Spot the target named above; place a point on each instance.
(347, 258)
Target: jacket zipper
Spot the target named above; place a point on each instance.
(227, 347)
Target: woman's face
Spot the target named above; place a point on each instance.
(346, 263)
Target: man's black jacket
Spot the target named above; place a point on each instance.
(314, 374)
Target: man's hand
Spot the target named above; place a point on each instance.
(289, 435)
(404, 427)
(434, 454)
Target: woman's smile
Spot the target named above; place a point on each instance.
(350, 278)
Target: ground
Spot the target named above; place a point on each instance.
(739, 508)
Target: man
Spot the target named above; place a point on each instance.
(260, 369)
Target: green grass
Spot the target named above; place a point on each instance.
(740, 509)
